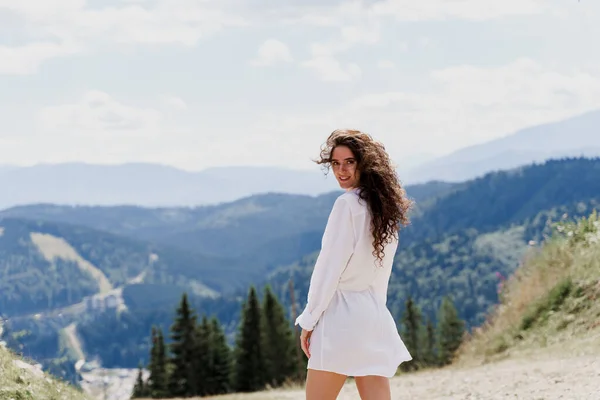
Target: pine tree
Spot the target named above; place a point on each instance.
(428, 345)
(221, 367)
(279, 342)
(158, 379)
(203, 358)
(139, 389)
(250, 363)
(411, 327)
(450, 331)
(182, 381)
(152, 363)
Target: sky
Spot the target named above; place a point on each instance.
(207, 83)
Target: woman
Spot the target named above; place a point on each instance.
(347, 329)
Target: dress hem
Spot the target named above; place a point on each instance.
(361, 374)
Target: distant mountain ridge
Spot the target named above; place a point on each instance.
(155, 185)
(578, 136)
(150, 185)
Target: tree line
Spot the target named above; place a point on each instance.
(429, 345)
(200, 362)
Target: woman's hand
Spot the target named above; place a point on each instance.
(305, 341)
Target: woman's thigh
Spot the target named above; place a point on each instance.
(323, 385)
(373, 387)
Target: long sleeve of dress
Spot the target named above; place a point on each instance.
(337, 247)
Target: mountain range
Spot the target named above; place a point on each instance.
(155, 185)
(57, 260)
(150, 185)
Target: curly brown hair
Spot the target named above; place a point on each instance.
(378, 183)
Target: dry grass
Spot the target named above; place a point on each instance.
(550, 299)
(19, 383)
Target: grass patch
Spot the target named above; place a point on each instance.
(542, 309)
(19, 383)
(553, 297)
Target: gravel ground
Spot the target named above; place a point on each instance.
(543, 377)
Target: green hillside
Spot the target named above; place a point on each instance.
(47, 265)
(503, 198)
(221, 230)
(552, 299)
(243, 228)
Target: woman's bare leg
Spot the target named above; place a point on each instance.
(373, 387)
(323, 385)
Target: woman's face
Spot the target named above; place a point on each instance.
(344, 167)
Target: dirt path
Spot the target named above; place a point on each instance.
(75, 344)
(542, 377)
(560, 378)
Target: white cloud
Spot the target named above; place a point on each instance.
(467, 104)
(78, 27)
(98, 116)
(408, 10)
(185, 22)
(182, 22)
(349, 36)
(329, 69)
(42, 10)
(425, 42)
(25, 60)
(176, 102)
(271, 52)
(522, 85)
(341, 13)
(352, 34)
(386, 64)
(324, 59)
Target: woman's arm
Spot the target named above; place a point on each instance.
(336, 249)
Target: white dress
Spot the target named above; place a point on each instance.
(354, 333)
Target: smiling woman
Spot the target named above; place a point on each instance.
(360, 162)
(347, 329)
(344, 167)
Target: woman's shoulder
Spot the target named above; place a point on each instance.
(351, 200)
(347, 196)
